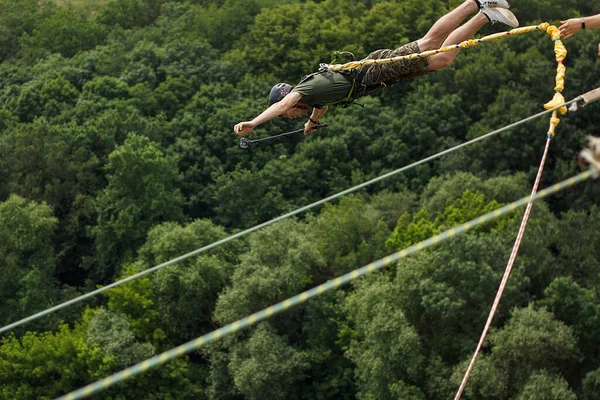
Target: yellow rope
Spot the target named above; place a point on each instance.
(559, 50)
(463, 45)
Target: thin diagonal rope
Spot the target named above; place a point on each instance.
(270, 222)
(314, 292)
(507, 273)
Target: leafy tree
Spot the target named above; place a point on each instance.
(63, 31)
(442, 291)
(278, 265)
(591, 385)
(58, 95)
(220, 381)
(174, 93)
(27, 283)
(111, 332)
(467, 207)
(140, 193)
(44, 366)
(579, 246)
(16, 18)
(170, 239)
(577, 307)
(387, 350)
(50, 364)
(266, 366)
(56, 164)
(106, 87)
(350, 235)
(223, 24)
(443, 190)
(532, 340)
(545, 386)
(142, 97)
(187, 294)
(245, 198)
(412, 230)
(113, 123)
(325, 337)
(137, 301)
(130, 13)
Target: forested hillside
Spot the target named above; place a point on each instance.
(117, 153)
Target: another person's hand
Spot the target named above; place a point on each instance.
(243, 128)
(569, 27)
(309, 127)
(598, 49)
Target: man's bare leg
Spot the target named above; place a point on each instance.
(461, 34)
(446, 25)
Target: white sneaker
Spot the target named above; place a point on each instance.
(501, 15)
(493, 3)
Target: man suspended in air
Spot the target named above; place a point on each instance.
(324, 88)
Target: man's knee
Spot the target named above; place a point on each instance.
(440, 61)
(426, 44)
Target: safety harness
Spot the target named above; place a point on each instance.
(355, 77)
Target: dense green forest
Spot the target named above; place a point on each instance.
(117, 153)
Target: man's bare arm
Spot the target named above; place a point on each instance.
(571, 26)
(274, 111)
(316, 115)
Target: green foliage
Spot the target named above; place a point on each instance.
(47, 365)
(222, 24)
(580, 245)
(444, 190)
(442, 290)
(465, 208)
(111, 332)
(542, 386)
(591, 385)
(117, 154)
(387, 350)
(16, 18)
(186, 296)
(27, 283)
(266, 366)
(577, 307)
(43, 366)
(137, 301)
(140, 193)
(244, 199)
(350, 234)
(525, 354)
(106, 87)
(278, 265)
(63, 31)
(412, 230)
(324, 334)
(129, 13)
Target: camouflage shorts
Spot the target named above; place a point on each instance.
(393, 72)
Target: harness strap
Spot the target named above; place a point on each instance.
(358, 88)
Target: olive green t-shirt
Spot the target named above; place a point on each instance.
(323, 88)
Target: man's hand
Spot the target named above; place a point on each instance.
(243, 128)
(598, 49)
(569, 27)
(309, 127)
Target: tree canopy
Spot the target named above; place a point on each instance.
(117, 154)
